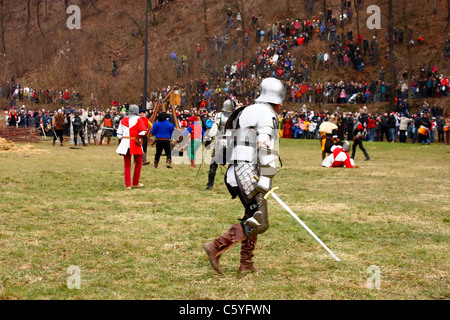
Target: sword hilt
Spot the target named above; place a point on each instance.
(268, 192)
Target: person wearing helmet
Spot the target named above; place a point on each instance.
(339, 157)
(78, 128)
(217, 131)
(253, 163)
(130, 133)
(359, 133)
(91, 126)
(107, 127)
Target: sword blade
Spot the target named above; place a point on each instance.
(302, 223)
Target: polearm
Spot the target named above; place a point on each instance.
(271, 192)
(203, 159)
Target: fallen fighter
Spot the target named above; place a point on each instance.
(339, 157)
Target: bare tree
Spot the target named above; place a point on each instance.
(409, 34)
(205, 17)
(38, 4)
(152, 12)
(448, 15)
(357, 17)
(325, 15)
(95, 7)
(137, 25)
(27, 27)
(392, 54)
(2, 26)
(240, 7)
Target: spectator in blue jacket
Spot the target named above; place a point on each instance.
(163, 130)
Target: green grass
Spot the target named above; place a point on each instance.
(62, 207)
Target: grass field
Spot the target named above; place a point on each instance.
(61, 207)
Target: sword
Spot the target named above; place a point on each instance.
(271, 192)
(203, 158)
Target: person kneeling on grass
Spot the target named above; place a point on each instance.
(131, 132)
(339, 157)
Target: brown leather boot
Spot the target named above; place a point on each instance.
(169, 163)
(247, 247)
(144, 160)
(108, 141)
(155, 164)
(214, 249)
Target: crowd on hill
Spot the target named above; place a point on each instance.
(274, 58)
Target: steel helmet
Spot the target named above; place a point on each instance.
(346, 146)
(272, 91)
(133, 110)
(227, 106)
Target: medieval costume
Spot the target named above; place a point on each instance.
(253, 164)
(58, 127)
(78, 128)
(358, 137)
(196, 133)
(339, 157)
(92, 127)
(131, 131)
(107, 128)
(328, 135)
(218, 132)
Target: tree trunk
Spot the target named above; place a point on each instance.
(243, 28)
(2, 26)
(205, 17)
(392, 55)
(95, 7)
(152, 12)
(38, 4)
(27, 27)
(408, 32)
(357, 17)
(137, 25)
(448, 15)
(325, 16)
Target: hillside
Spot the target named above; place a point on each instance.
(82, 60)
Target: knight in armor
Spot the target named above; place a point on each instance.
(92, 127)
(116, 121)
(217, 131)
(78, 128)
(253, 163)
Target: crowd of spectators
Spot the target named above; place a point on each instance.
(275, 57)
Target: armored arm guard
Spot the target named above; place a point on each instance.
(267, 155)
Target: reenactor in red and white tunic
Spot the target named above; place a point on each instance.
(339, 157)
(131, 133)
